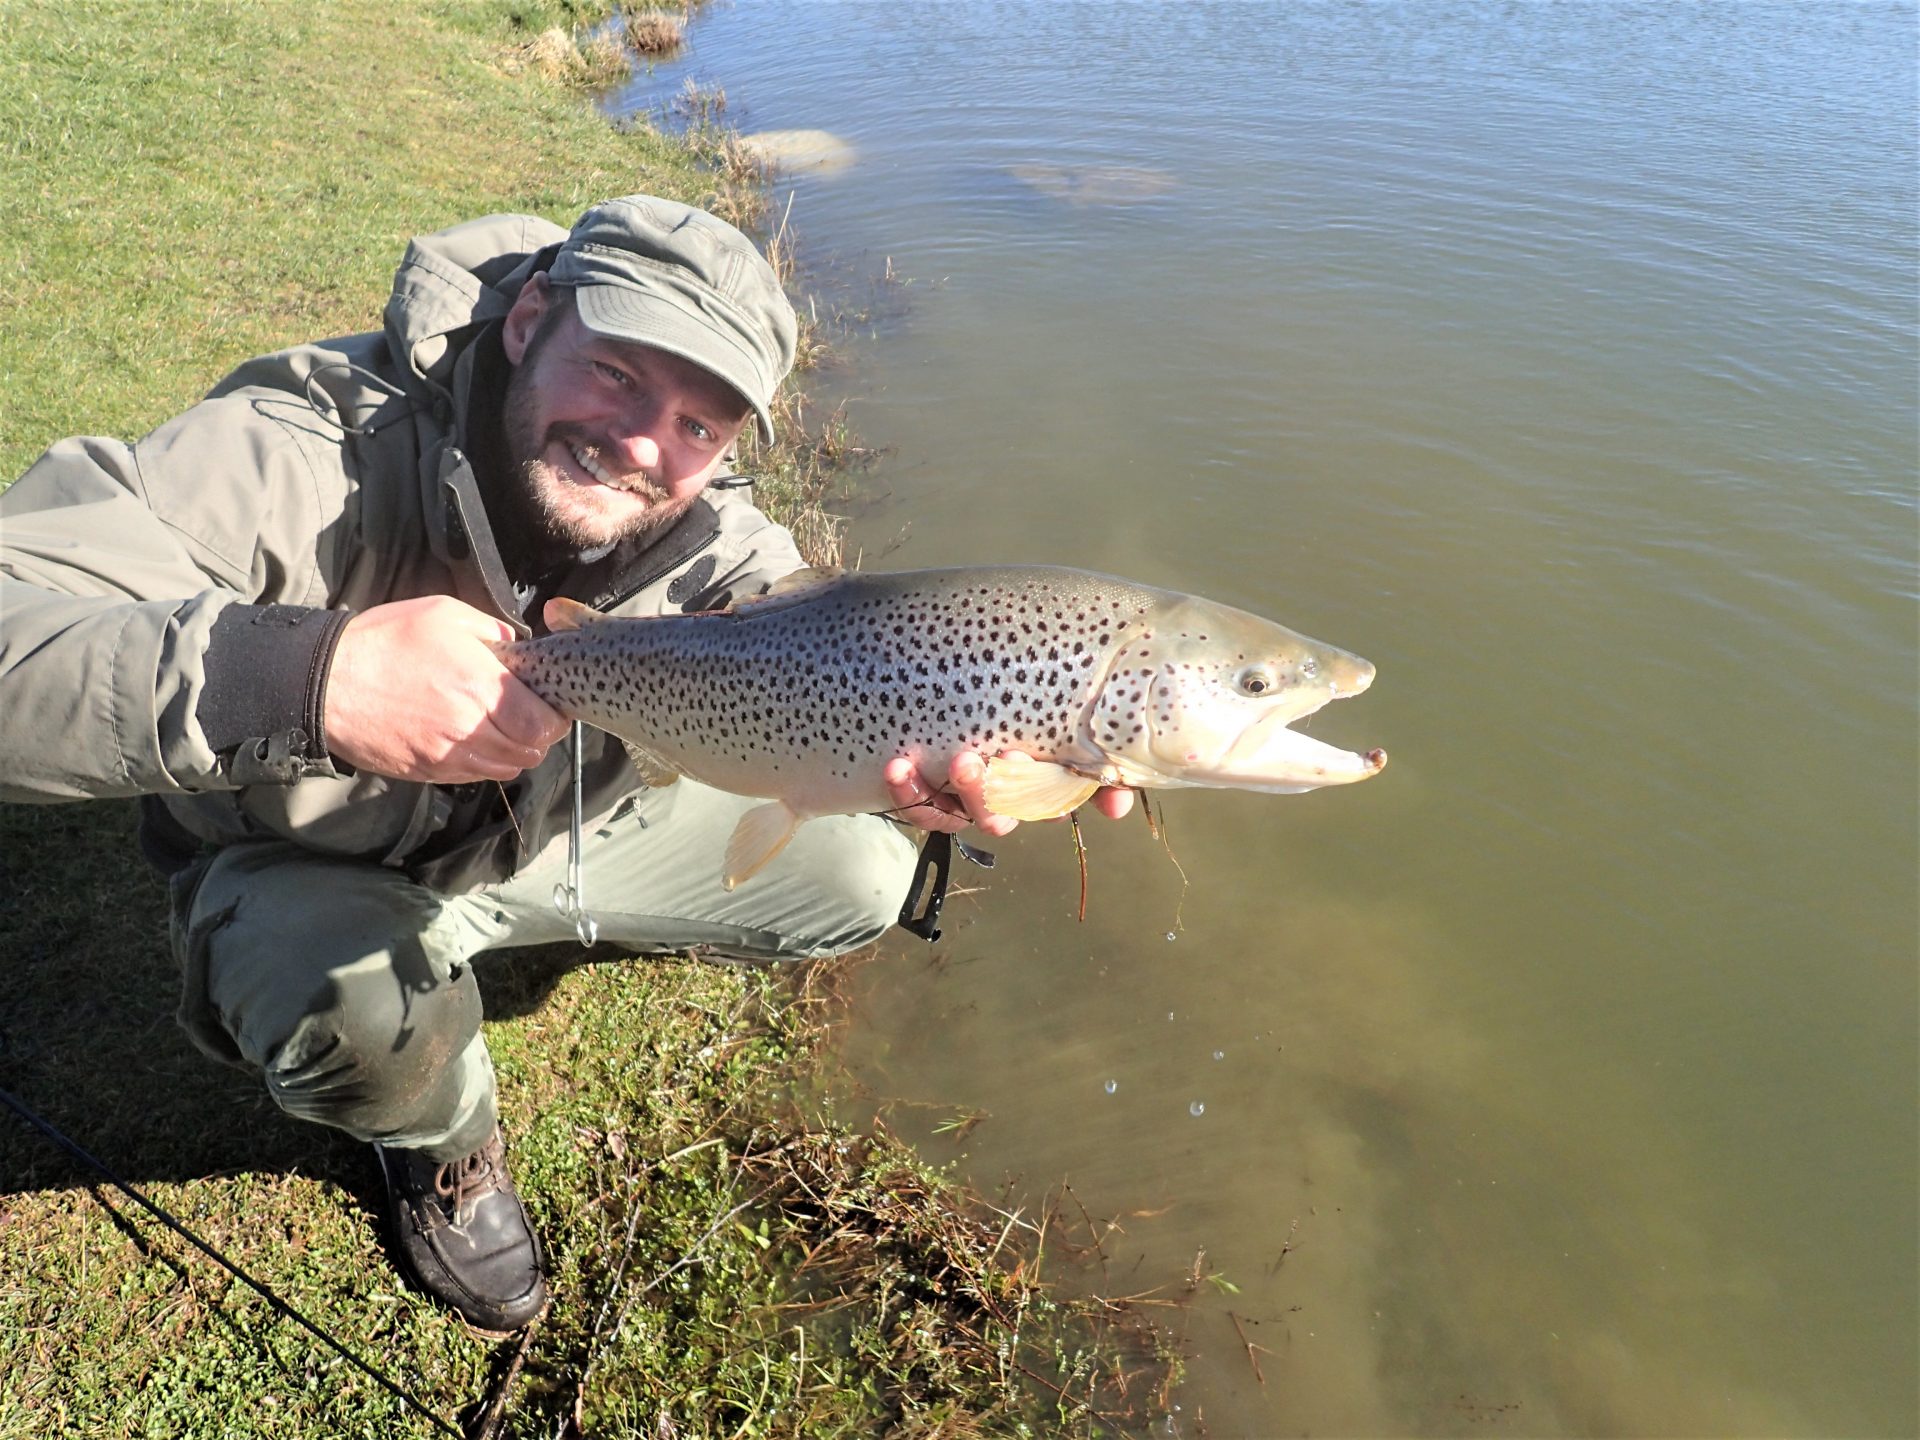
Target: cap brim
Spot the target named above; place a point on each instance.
(618, 312)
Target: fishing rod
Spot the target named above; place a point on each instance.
(52, 1132)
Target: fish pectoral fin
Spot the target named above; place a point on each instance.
(564, 614)
(1023, 788)
(650, 767)
(763, 832)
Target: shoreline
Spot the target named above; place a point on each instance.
(644, 1100)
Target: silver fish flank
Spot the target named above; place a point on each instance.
(1064, 680)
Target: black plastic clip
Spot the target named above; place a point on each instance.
(936, 857)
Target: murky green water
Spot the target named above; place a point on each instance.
(1561, 360)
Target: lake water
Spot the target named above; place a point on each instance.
(1561, 360)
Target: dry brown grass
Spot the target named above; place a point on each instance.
(583, 62)
(697, 105)
(656, 32)
(740, 177)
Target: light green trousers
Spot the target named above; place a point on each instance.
(347, 985)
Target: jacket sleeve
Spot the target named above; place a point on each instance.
(161, 615)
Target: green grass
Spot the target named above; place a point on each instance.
(184, 185)
(188, 185)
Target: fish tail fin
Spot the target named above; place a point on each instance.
(763, 832)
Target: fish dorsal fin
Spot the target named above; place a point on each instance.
(789, 589)
(1023, 788)
(798, 580)
(763, 832)
(653, 771)
(564, 614)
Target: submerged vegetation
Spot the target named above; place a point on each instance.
(726, 1261)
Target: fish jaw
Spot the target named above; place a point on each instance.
(1272, 756)
(1207, 727)
(1267, 756)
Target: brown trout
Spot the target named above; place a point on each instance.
(1063, 680)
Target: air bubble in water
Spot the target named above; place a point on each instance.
(1199, 1107)
(1170, 935)
(1111, 1086)
(1219, 1054)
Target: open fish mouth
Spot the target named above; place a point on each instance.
(1271, 755)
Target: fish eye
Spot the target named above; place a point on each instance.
(1255, 680)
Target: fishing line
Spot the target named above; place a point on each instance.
(52, 1132)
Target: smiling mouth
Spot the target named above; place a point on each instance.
(634, 484)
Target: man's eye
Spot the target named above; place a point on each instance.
(611, 372)
(700, 432)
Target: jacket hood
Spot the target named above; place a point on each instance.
(456, 279)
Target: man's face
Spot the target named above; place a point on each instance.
(609, 438)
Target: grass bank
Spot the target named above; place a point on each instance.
(182, 187)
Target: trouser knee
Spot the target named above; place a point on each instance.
(321, 976)
(858, 874)
(370, 1054)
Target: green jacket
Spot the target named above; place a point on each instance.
(167, 609)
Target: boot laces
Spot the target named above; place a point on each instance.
(464, 1183)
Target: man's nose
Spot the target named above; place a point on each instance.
(635, 447)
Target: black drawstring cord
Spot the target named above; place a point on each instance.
(48, 1129)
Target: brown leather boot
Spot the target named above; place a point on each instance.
(463, 1236)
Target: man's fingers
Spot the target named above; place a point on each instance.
(917, 802)
(964, 801)
(465, 764)
(484, 767)
(523, 718)
(494, 746)
(968, 776)
(477, 622)
(905, 784)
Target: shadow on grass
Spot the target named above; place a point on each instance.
(88, 990)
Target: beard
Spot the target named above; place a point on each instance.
(546, 518)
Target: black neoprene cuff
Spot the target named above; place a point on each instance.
(264, 705)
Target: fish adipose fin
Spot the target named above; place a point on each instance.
(792, 588)
(564, 614)
(651, 768)
(763, 832)
(798, 580)
(1023, 788)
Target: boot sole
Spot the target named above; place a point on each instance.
(495, 1336)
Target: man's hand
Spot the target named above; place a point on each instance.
(964, 802)
(415, 693)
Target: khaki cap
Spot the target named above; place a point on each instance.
(660, 273)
